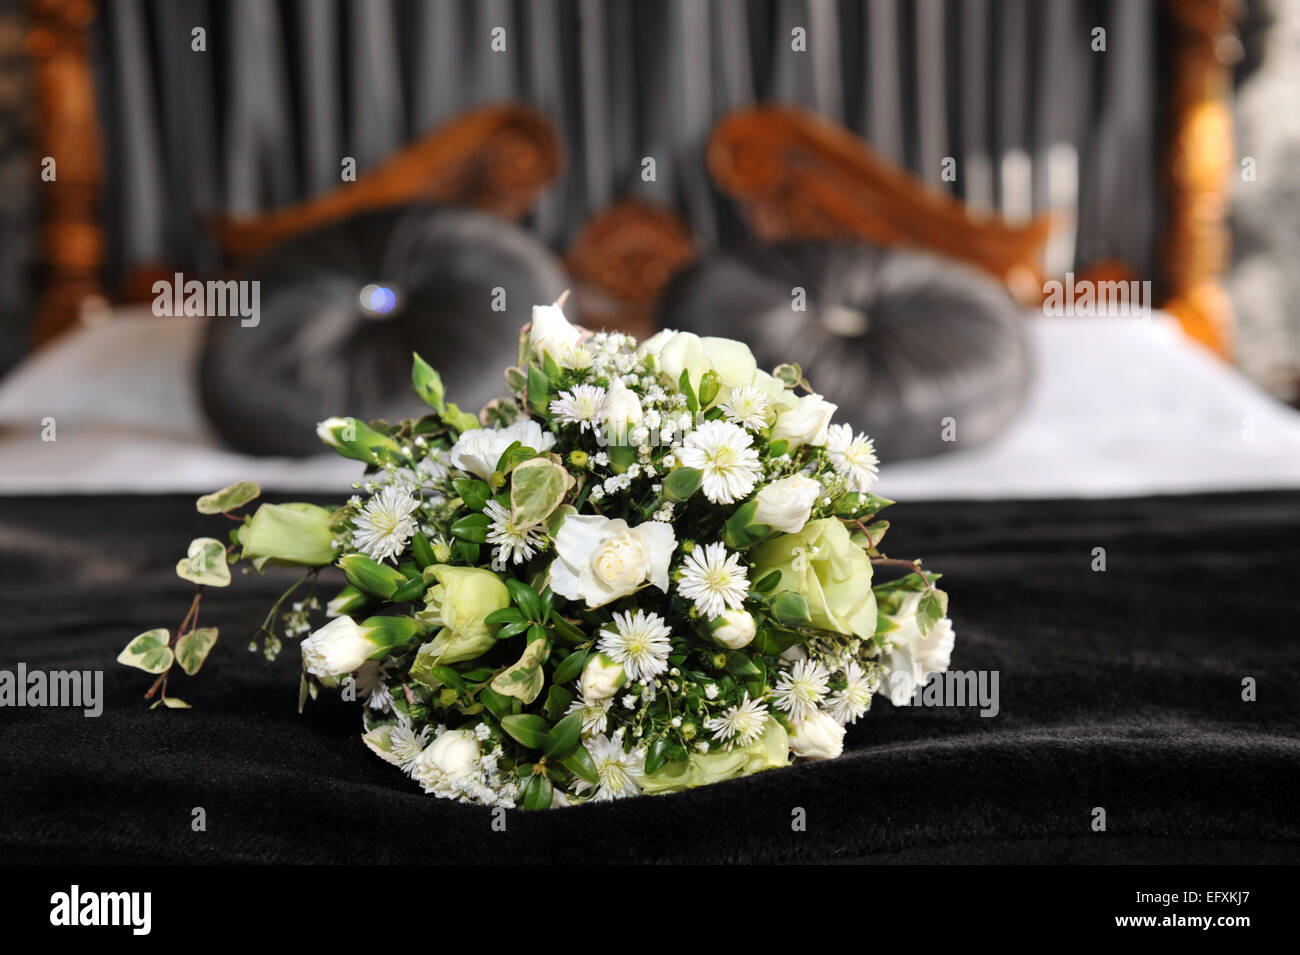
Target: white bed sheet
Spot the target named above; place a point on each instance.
(1119, 407)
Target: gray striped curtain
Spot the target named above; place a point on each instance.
(1009, 89)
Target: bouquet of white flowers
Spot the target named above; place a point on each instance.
(650, 569)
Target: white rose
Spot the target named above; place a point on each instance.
(599, 560)
(817, 736)
(737, 629)
(621, 410)
(655, 343)
(778, 395)
(338, 647)
(453, 755)
(479, 449)
(912, 658)
(806, 422)
(551, 334)
(732, 360)
(601, 678)
(787, 504)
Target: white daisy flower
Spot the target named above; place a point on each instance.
(715, 580)
(595, 714)
(580, 406)
(848, 704)
(386, 523)
(406, 743)
(617, 772)
(370, 677)
(853, 457)
(739, 725)
(800, 689)
(722, 451)
(639, 641)
(746, 407)
(512, 543)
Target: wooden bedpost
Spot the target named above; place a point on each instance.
(67, 133)
(1199, 164)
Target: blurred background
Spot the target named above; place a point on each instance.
(886, 191)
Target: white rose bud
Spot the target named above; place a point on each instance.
(736, 629)
(342, 645)
(601, 678)
(551, 334)
(787, 504)
(621, 410)
(806, 422)
(817, 737)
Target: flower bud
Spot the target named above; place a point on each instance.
(817, 736)
(342, 645)
(601, 678)
(734, 629)
(371, 576)
(297, 534)
(356, 440)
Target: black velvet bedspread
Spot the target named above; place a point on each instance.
(1120, 690)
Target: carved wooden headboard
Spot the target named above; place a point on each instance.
(793, 175)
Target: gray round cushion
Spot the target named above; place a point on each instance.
(343, 308)
(900, 340)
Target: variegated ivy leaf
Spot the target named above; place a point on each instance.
(537, 487)
(228, 498)
(931, 609)
(193, 648)
(171, 702)
(205, 563)
(149, 651)
(524, 679)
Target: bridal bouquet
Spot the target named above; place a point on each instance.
(649, 569)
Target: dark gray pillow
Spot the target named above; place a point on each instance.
(900, 340)
(343, 308)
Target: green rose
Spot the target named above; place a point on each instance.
(823, 565)
(297, 534)
(769, 751)
(458, 603)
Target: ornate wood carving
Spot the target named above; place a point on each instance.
(499, 158)
(72, 239)
(621, 261)
(1198, 166)
(799, 175)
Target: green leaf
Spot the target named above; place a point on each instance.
(773, 642)
(656, 755)
(467, 552)
(563, 736)
(769, 582)
(738, 664)
(566, 631)
(523, 679)
(778, 447)
(791, 609)
(474, 493)
(570, 667)
(228, 498)
(410, 592)
(538, 389)
(148, 651)
(538, 792)
(513, 629)
(528, 729)
(681, 483)
(557, 701)
(193, 648)
(423, 551)
(471, 528)
(205, 563)
(580, 763)
(684, 386)
(427, 384)
(498, 705)
(526, 599)
(504, 615)
(931, 609)
(513, 456)
(459, 420)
